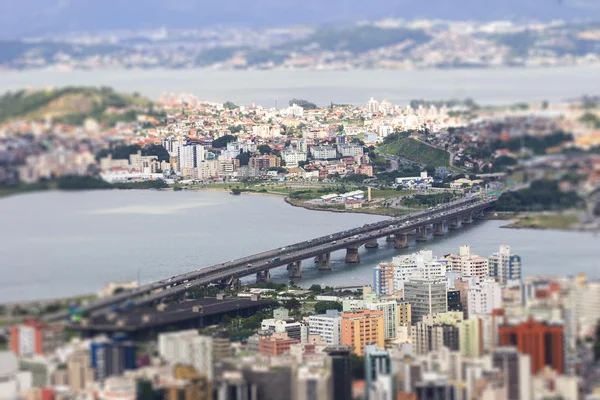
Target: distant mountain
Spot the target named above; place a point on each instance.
(31, 17)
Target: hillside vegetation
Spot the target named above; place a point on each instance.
(73, 105)
(415, 150)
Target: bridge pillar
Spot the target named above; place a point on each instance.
(263, 276)
(295, 269)
(454, 224)
(352, 255)
(372, 244)
(438, 229)
(422, 234)
(401, 241)
(478, 214)
(323, 261)
(390, 239)
(467, 218)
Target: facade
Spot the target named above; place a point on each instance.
(35, 337)
(112, 358)
(427, 337)
(404, 313)
(275, 345)
(383, 279)
(190, 156)
(470, 337)
(543, 342)
(434, 387)
(426, 296)
(362, 327)
(79, 371)
(468, 264)
(505, 267)
(292, 157)
(390, 316)
(328, 326)
(350, 150)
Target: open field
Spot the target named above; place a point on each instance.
(417, 151)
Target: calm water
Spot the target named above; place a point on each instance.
(57, 244)
(488, 86)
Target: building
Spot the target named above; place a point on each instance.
(483, 297)
(362, 327)
(294, 110)
(328, 326)
(111, 357)
(275, 344)
(404, 313)
(12, 381)
(427, 337)
(470, 337)
(188, 385)
(35, 337)
(263, 163)
(390, 314)
(426, 296)
(389, 278)
(341, 368)
(350, 150)
(584, 296)
(454, 303)
(323, 152)
(468, 264)
(516, 370)
(292, 158)
(383, 279)
(79, 371)
(542, 341)
(378, 374)
(505, 267)
(190, 155)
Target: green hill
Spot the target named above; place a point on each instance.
(415, 150)
(73, 105)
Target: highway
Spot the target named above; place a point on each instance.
(245, 266)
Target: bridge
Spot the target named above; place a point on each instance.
(436, 219)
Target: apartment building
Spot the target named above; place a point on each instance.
(362, 327)
(328, 326)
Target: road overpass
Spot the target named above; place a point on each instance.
(436, 219)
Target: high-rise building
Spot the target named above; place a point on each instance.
(505, 267)
(328, 326)
(468, 264)
(190, 155)
(427, 337)
(373, 106)
(341, 368)
(483, 297)
(454, 303)
(584, 297)
(35, 337)
(378, 374)
(516, 370)
(390, 316)
(543, 342)
(79, 370)
(112, 357)
(362, 327)
(470, 337)
(426, 296)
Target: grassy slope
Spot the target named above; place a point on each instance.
(417, 151)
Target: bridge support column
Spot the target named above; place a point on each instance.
(401, 241)
(295, 269)
(323, 261)
(438, 229)
(372, 244)
(478, 214)
(263, 276)
(467, 218)
(422, 234)
(236, 284)
(390, 239)
(352, 255)
(454, 224)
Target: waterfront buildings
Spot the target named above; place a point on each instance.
(483, 297)
(468, 264)
(505, 267)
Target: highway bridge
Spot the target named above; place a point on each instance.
(436, 219)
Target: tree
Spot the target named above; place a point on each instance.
(264, 149)
(230, 106)
(430, 169)
(322, 306)
(244, 158)
(292, 304)
(222, 141)
(156, 150)
(358, 367)
(315, 288)
(307, 105)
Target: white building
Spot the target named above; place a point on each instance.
(292, 158)
(423, 181)
(350, 150)
(468, 264)
(294, 110)
(385, 131)
(187, 347)
(505, 267)
(190, 155)
(484, 296)
(323, 152)
(12, 382)
(289, 326)
(390, 315)
(426, 296)
(328, 326)
(263, 131)
(373, 105)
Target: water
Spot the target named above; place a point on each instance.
(487, 86)
(60, 244)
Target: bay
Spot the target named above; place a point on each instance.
(57, 244)
(277, 87)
